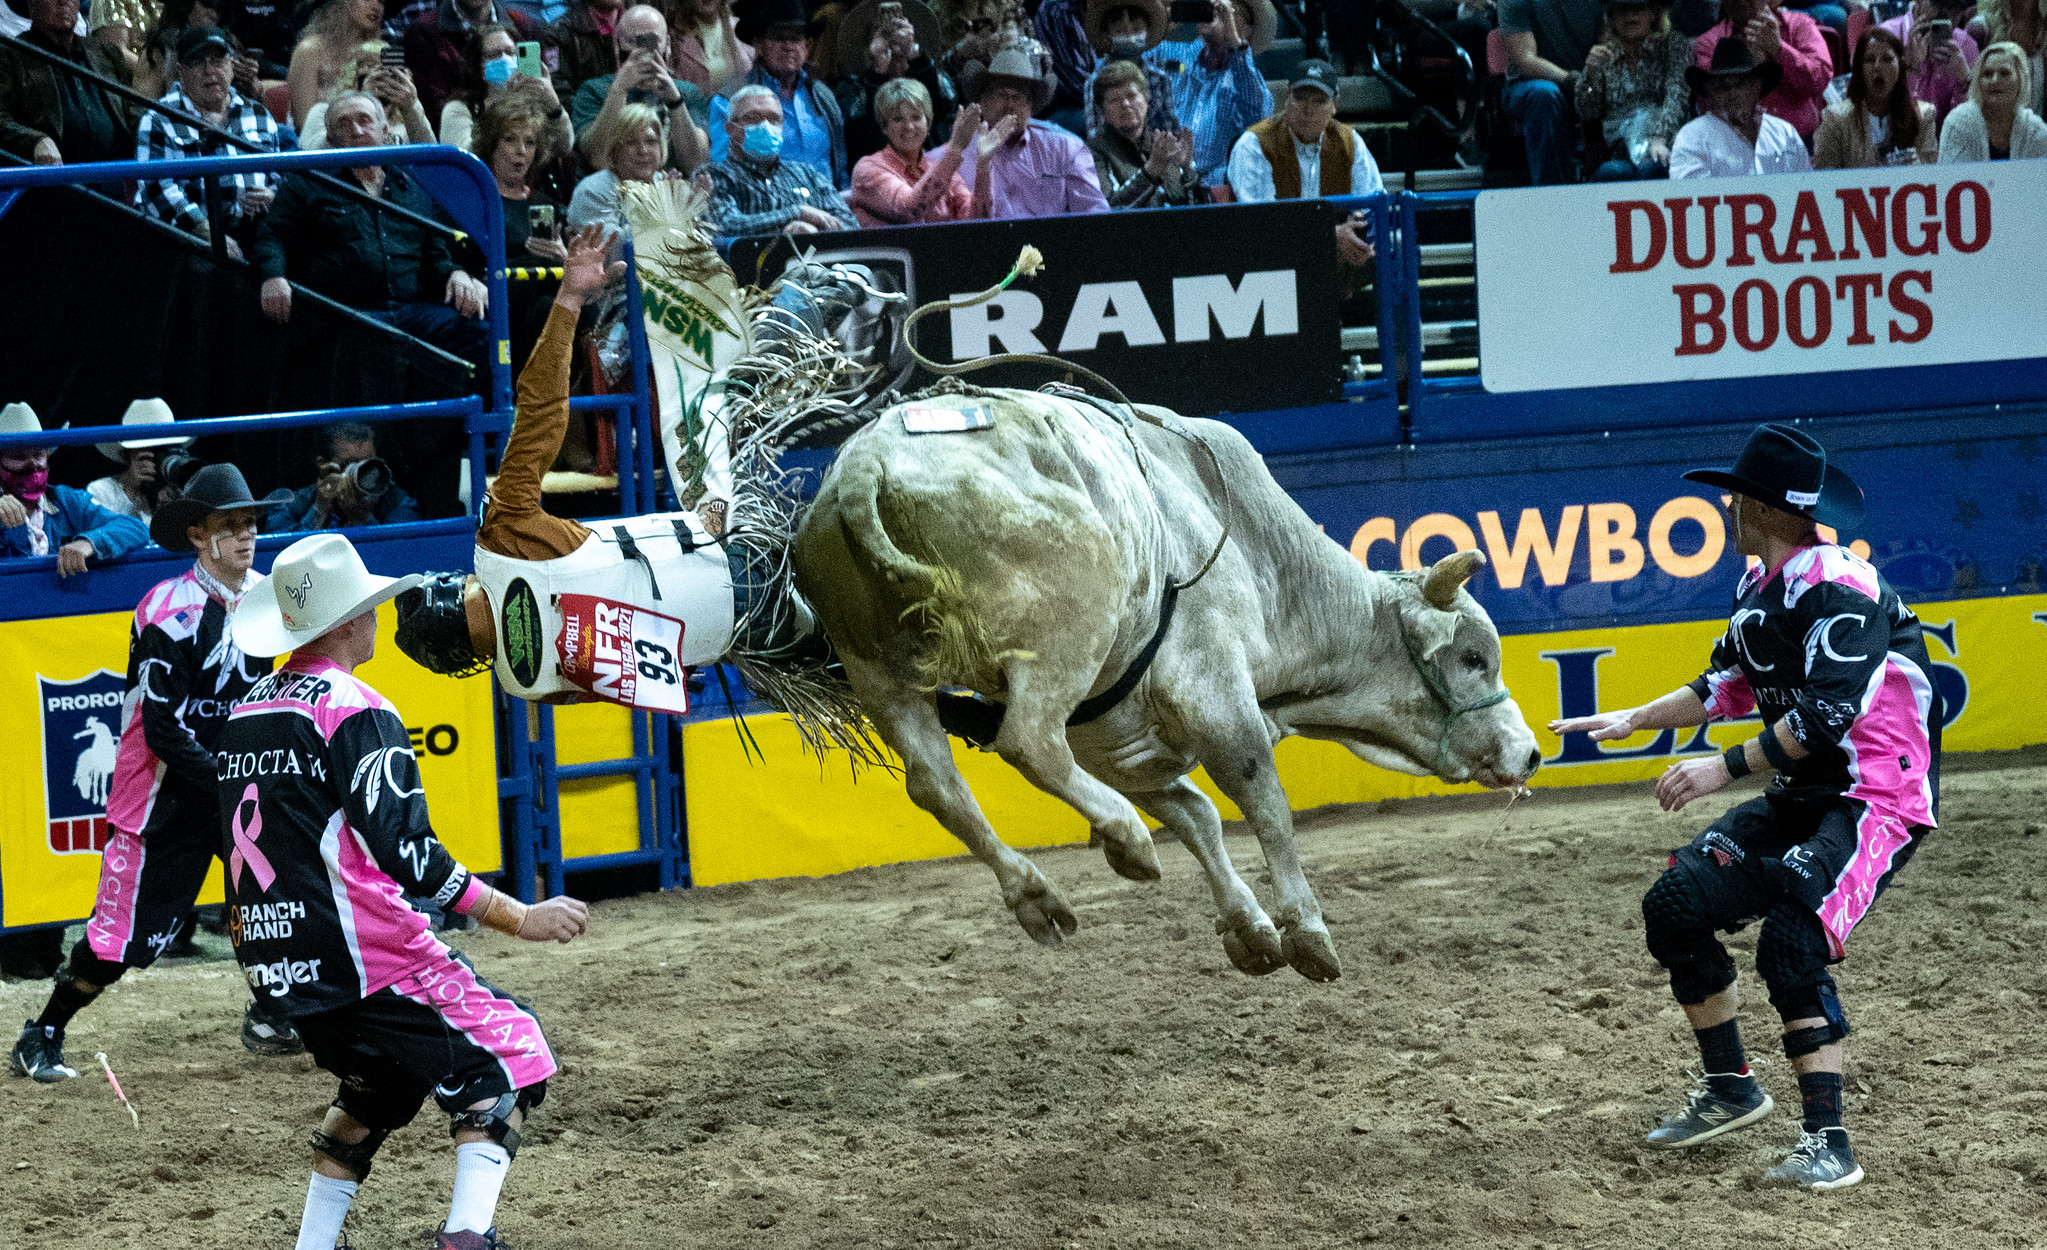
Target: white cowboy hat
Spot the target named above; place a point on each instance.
(316, 584)
(142, 412)
(19, 418)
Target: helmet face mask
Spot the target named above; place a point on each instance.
(433, 627)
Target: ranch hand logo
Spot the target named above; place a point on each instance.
(81, 722)
(244, 835)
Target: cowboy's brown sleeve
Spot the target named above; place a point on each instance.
(515, 524)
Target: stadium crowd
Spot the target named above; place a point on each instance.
(801, 117)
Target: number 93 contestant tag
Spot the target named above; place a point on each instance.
(622, 654)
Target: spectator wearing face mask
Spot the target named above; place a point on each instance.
(754, 191)
(438, 47)
(1121, 31)
(1218, 92)
(133, 491)
(493, 70)
(813, 128)
(38, 519)
(1735, 137)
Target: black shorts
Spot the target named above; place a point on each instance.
(446, 1032)
(1833, 857)
(147, 886)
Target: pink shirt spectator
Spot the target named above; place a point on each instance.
(1047, 172)
(887, 191)
(1808, 68)
(1933, 84)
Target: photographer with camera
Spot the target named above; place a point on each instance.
(38, 519)
(355, 488)
(135, 490)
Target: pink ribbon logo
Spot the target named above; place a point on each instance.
(245, 836)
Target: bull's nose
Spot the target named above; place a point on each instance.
(1534, 760)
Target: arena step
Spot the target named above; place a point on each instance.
(1434, 334)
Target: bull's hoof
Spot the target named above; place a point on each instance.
(1311, 953)
(1044, 915)
(1133, 859)
(1254, 949)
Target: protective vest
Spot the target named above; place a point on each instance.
(618, 618)
(1338, 151)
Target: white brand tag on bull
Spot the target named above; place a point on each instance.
(946, 420)
(622, 653)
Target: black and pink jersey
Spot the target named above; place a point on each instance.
(1823, 643)
(324, 829)
(184, 674)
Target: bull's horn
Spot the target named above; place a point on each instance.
(1444, 578)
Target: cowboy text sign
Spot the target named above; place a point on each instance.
(1609, 284)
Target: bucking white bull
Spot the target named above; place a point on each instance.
(1030, 561)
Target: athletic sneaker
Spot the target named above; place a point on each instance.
(268, 1035)
(1719, 1103)
(466, 1240)
(1822, 1161)
(39, 1054)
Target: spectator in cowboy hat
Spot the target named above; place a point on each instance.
(1305, 153)
(813, 129)
(1735, 137)
(881, 41)
(1024, 168)
(1785, 38)
(133, 491)
(1120, 30)
(38, 519)
(753, 190)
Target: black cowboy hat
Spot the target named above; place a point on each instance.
(766, 15)
(1731, 57)
(215, 488)
(1787, 469)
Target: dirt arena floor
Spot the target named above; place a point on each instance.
(882, 1059)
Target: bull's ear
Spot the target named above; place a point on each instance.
(1430, 629)
(1447, 576)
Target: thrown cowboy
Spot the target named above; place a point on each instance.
(1833, 660)
(184, 674)
(566, 612)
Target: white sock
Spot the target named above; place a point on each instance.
(326, 1206)
(480, 1168)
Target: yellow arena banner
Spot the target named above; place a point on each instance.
(794, 815)
(63, 679)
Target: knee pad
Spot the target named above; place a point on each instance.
(91, 969)
(1680, 937)
(495, 1121)
(356, 1158)
(1792, 958)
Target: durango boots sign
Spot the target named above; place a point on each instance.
(1206, 310)
(1608, 285)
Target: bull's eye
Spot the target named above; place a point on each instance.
(1473, 661)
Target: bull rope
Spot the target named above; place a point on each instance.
(1028, 262)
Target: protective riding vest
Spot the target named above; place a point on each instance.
(618, 618)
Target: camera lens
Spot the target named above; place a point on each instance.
(371, 478)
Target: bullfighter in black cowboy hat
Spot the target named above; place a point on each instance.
(1822, 647)
(163, 822)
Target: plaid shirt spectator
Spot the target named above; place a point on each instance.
(1217, 105)
(744, 201)
(1073, 57)
(161, 138)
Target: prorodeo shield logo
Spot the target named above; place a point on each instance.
(520, 626)
(81, 722)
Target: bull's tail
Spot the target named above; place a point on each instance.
(957, 648)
